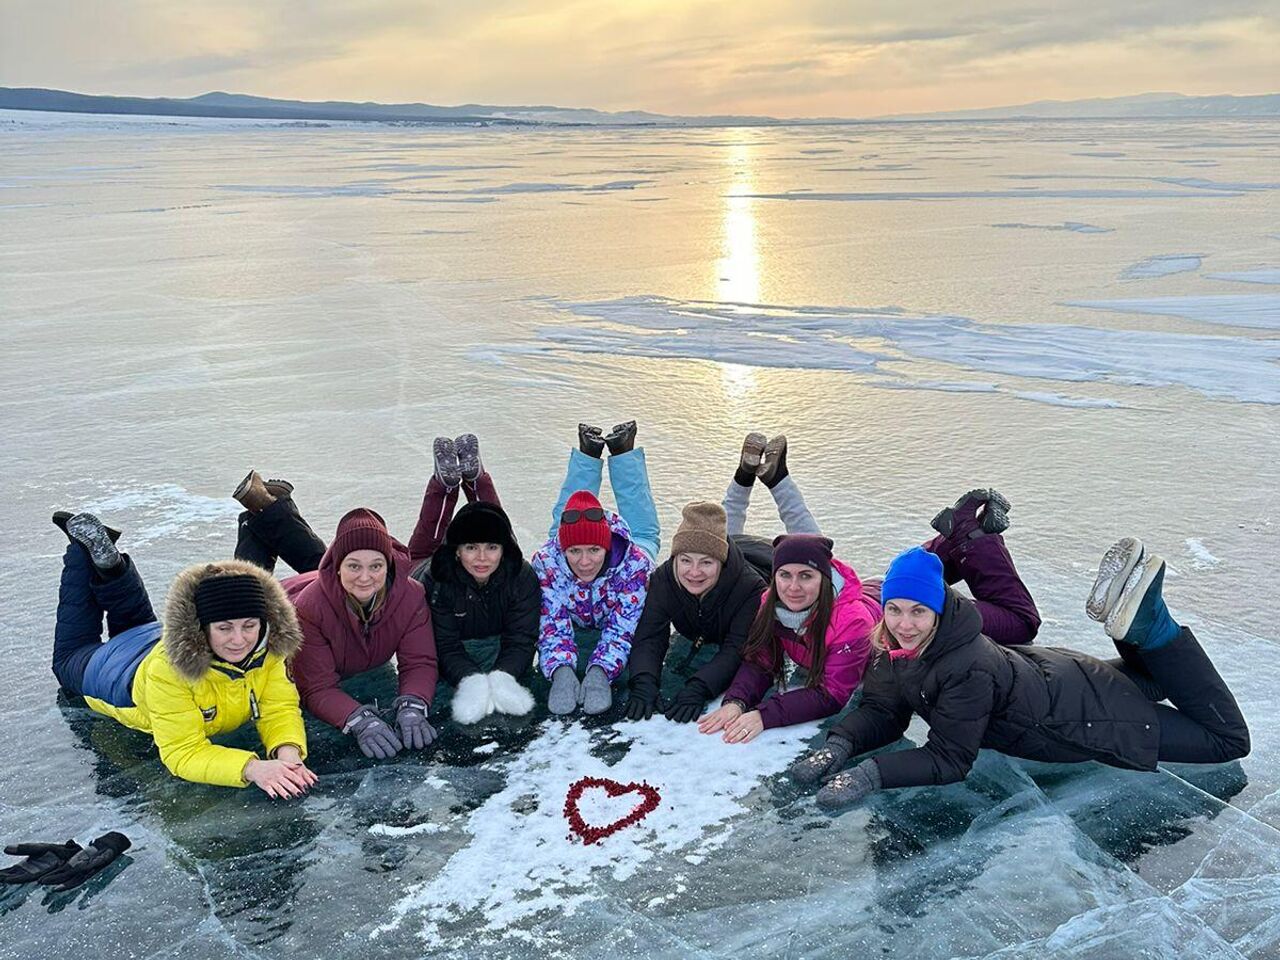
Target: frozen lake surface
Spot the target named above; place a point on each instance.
(1081, 314)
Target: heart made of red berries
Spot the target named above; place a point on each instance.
(593, 834)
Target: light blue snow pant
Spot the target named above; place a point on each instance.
(795, 515)
(629, 478)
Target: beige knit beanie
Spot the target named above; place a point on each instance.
(702, 529)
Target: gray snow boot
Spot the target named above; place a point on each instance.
(446, 462)
(565, 692)
(467, 448)
(597, 694)
(88, 531)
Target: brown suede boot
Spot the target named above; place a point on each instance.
(253, 493)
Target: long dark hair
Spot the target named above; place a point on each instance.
(763, 642)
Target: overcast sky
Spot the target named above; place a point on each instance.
(846, 58)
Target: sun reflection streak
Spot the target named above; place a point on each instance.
(737, 277)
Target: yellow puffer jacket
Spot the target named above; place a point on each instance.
(183, 695)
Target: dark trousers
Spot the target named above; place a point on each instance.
(438, 504)
(279, 533)
(1205, 724)
(83, 598)
(1009, 614)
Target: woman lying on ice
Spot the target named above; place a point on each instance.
(217, 661)
(1046, 704)
(594, 570)
(358, 608)
(814, 613)
(479, 586)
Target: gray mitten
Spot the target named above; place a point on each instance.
(597, 694)
(823, 762)
(416, 732)
(564, 696)
(374, 737)
(850, 786)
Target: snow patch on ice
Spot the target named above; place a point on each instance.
(1163, 266)
(163, 510)
(511, 872)
(386, 830)
(884, 346)
(485, 748)
(1265, 275)
(1259, 310)
(1071, 225)
(1201, 558)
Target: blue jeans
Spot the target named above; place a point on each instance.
(83, 597)
(629, 477)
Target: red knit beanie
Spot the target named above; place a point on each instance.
(584, 532)
(361, 529)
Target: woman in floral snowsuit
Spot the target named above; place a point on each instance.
(594, 570)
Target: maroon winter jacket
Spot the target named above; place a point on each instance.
(337, 644)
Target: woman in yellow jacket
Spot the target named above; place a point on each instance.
(218, 660)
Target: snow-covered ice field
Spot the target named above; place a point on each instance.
(1081, 314)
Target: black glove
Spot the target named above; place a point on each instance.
(823, 762)
(416, 732)
(90, 861)
(689, 702)
(644, 697)
(373, 735)
(850, 786)
(40, 859)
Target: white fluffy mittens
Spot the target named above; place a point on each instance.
(481, 694)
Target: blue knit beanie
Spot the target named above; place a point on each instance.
(915, 574)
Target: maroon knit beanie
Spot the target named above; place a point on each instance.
(808, 548)
(361, 529)
(584, 532)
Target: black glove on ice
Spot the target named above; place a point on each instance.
(40, 859)
(849, 786)
(689, 702)
(90, 861)
(415, 730)
(374, 736)
(644, 697)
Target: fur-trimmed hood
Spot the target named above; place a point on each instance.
(185, 643)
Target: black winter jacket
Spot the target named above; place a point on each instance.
(722, 616)
(1039, 703)
(507, 606)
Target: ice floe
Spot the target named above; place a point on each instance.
(1229, 310)
(1163, 266)
(1264, 275)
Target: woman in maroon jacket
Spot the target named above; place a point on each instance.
(359, 609)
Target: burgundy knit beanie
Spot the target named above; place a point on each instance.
(584, 532)
(361, 529)
(810, 549)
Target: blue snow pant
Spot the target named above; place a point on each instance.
(83, 598)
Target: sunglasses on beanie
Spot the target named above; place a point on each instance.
(594, 514)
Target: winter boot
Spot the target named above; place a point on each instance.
(597, 694)
(590, 440)
(773, 462)
(1113, 572)
(62, 516)
(622, 438)
(975, 513)
(447, 468)
(1140, 616)
(565, 691)
(467, 447)
(280, 489)
(88, 531)
(253, 493)
(749, 460)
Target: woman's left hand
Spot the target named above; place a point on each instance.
(745, 729)
(719, 718)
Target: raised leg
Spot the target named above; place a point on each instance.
(77, 630)
(629, 477)
(795, 514)
(286, 534)
(1009, 614)
(583, 473)
(1207, 725)
(737, 498)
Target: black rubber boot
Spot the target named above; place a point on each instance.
(622, 438)
(62, 516)
(590, 440)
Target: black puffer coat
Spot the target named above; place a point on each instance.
(1039, 703)
(507, 606)
(721, 616)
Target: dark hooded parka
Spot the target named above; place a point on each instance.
(506, 606)
(1038, 703)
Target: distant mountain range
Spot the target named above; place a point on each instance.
(233, 105)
